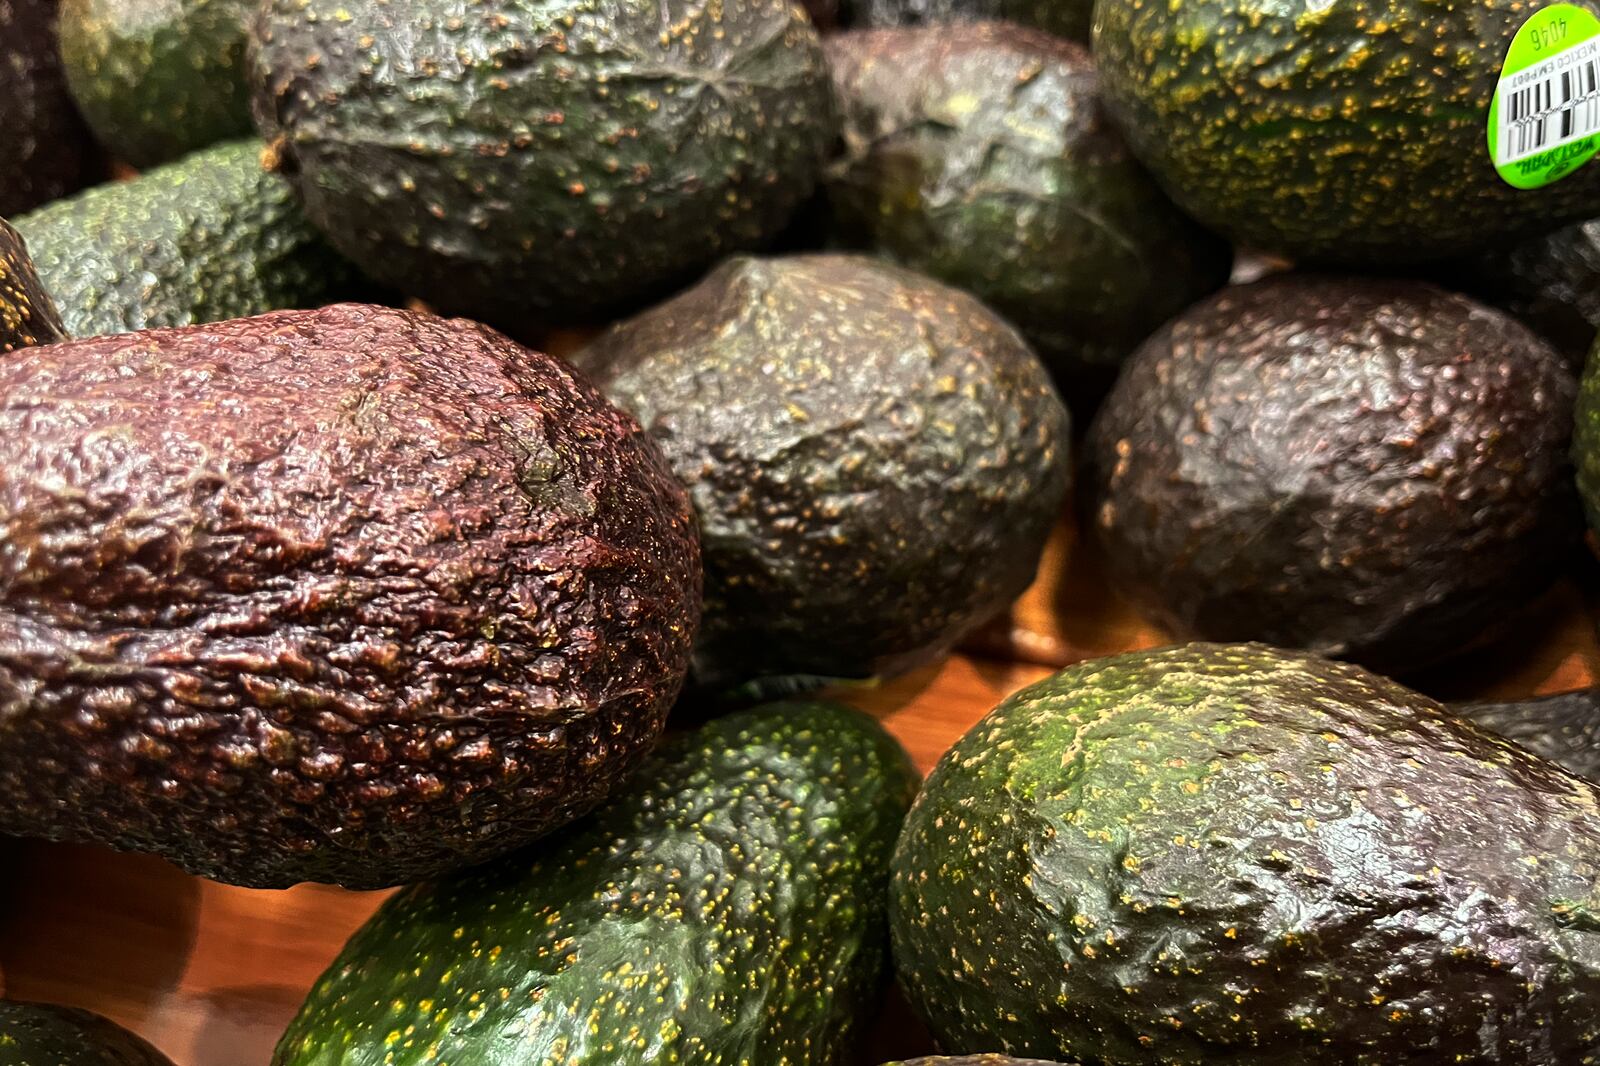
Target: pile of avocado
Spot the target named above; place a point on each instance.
(1286, 309)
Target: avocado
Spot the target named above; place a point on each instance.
(1586, 441)
(354, 595)
(973, 1060)
(1064, 18)
(38, 1034)
(1564, 728)
(48, 151)
(27, 314)
(208, 238)
(727, 907)
(1233, 853)
(1550, 282)
(158, 79)
(535, 162)
(875, 459)
(1370, 469)
(1349, 133)
(982, 156)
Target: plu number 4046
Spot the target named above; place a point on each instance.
(1548, 35)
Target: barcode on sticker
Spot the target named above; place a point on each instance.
(1550, 104)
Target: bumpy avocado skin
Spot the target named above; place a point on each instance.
(1550, 282)
(157, 79)
(982, 156)
(353, 595)
(875, 458)
(1349, 133)
(1230, 853)
(1064, 18)
(1564, 728)
(27, 314)
(47, 148)
(211, 237)
(1366, 468)
(536, 161)
(728, 907)
(37, 1034)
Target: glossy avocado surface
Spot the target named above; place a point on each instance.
(529, 162)
(1563, 727)
(875, 459)
(27, 314)
(211, 237)
(1350, 133)
(727, 907)
(157, 79)
(1371, 469)
(1231, 853)
(982, 155)
(37, 1034)
(48, 151)
(353, 595)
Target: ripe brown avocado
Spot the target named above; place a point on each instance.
(982, 155)
(1365, 468)
(1550, 282)
(27, 314)
(876, 460)
(45, 150)
(1236, 854)
(354, 595)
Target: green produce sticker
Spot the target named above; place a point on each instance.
(1544, 120)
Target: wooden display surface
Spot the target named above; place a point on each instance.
(212, 974)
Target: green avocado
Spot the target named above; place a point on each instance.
(529, 162)
(728, 907)
(1564, 728)
(1370, 469)
(1064, 18)
(1550, 282)
(27, 314)
(982, 156)
(36, 1034)
(353, 595)
(1231, 853)
(211, 237)
(1350, 133)
(876, 460)
(47, 149)
(158, 79)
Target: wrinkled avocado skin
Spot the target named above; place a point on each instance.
(728, 906)
(1233, 853)
(37, 1034)
(157, 79)
(1344, 134)
(1564, 728)
(27, 314)
(528, 162)
(211, 237)
(982, 155)
(353, 595)
(1370, 469)
(1064, 18)
(47, 149)
(875, 458)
